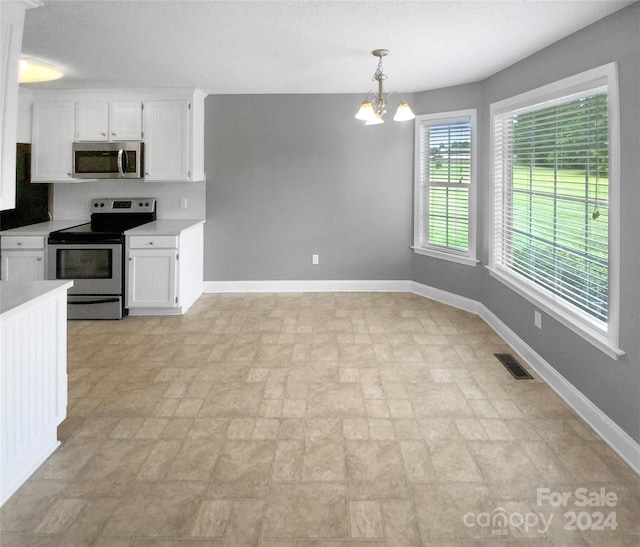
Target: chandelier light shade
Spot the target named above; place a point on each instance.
(32, 71)
(366, 112)
(404, 113)
(373, 109)
(375, 120)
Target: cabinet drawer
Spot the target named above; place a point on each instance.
(153, 242)
(24, 242)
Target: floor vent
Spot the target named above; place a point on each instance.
(515, 368)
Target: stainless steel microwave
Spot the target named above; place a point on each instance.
(108, 160)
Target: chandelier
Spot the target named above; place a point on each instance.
(374, 107)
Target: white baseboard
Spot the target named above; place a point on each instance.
(151, 312)
(307, 286)
(626, 447)
(445, 297)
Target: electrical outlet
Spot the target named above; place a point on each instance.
(183, 203)
(537, 319)
(315, 259)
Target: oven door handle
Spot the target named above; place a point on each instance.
(98, 301)
(122, 162)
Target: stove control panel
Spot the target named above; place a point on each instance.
(126, 205)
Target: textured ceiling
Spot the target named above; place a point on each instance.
(294, 46)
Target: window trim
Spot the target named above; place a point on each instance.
(468, 257)
(606, 340)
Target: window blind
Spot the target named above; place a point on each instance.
(551, 199)
(445, 178)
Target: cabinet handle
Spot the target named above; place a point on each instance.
(113, 134)
(150, 242)
(19, 244)
(39, 259)
(103, 134)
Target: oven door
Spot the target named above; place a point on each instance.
(96, 269)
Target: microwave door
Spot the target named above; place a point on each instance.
(108, 160)
(95, 163)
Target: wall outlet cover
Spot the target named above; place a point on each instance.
(537, 319)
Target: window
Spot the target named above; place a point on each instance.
(555, 220)
(444, 213)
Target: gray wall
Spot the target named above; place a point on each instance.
(295, 175)
(289, 176)
(613, 386)
(445, 275)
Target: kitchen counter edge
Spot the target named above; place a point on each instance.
(16, 295)
(42, 228)
(163, 228)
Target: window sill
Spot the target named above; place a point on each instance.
(593, 335)
(451, 257)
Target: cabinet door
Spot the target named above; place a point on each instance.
(166, 140)
(92, 121)
(51, 149)
(23, 265)
(125, 121)
(152, 278)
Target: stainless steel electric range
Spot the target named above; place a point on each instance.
(92, 255)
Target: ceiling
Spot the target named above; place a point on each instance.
(294, 46)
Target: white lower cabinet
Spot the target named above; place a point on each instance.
(23, 258)
(164, 272)
(152, 278)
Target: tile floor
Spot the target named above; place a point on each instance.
(343, 419)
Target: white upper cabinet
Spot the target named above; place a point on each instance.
(166, 140)
(125, 121)
(92, 121)
(52, 139)
(170, 123)
(11, 26)
(115, 121)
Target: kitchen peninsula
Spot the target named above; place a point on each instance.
(33, 376)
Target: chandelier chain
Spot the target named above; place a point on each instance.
(379, 74)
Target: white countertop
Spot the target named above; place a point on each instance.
(16, 294)
(42, 228)
(163, 228)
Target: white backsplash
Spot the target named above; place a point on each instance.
(72, 200)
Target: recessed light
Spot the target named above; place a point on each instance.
(31, 71)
